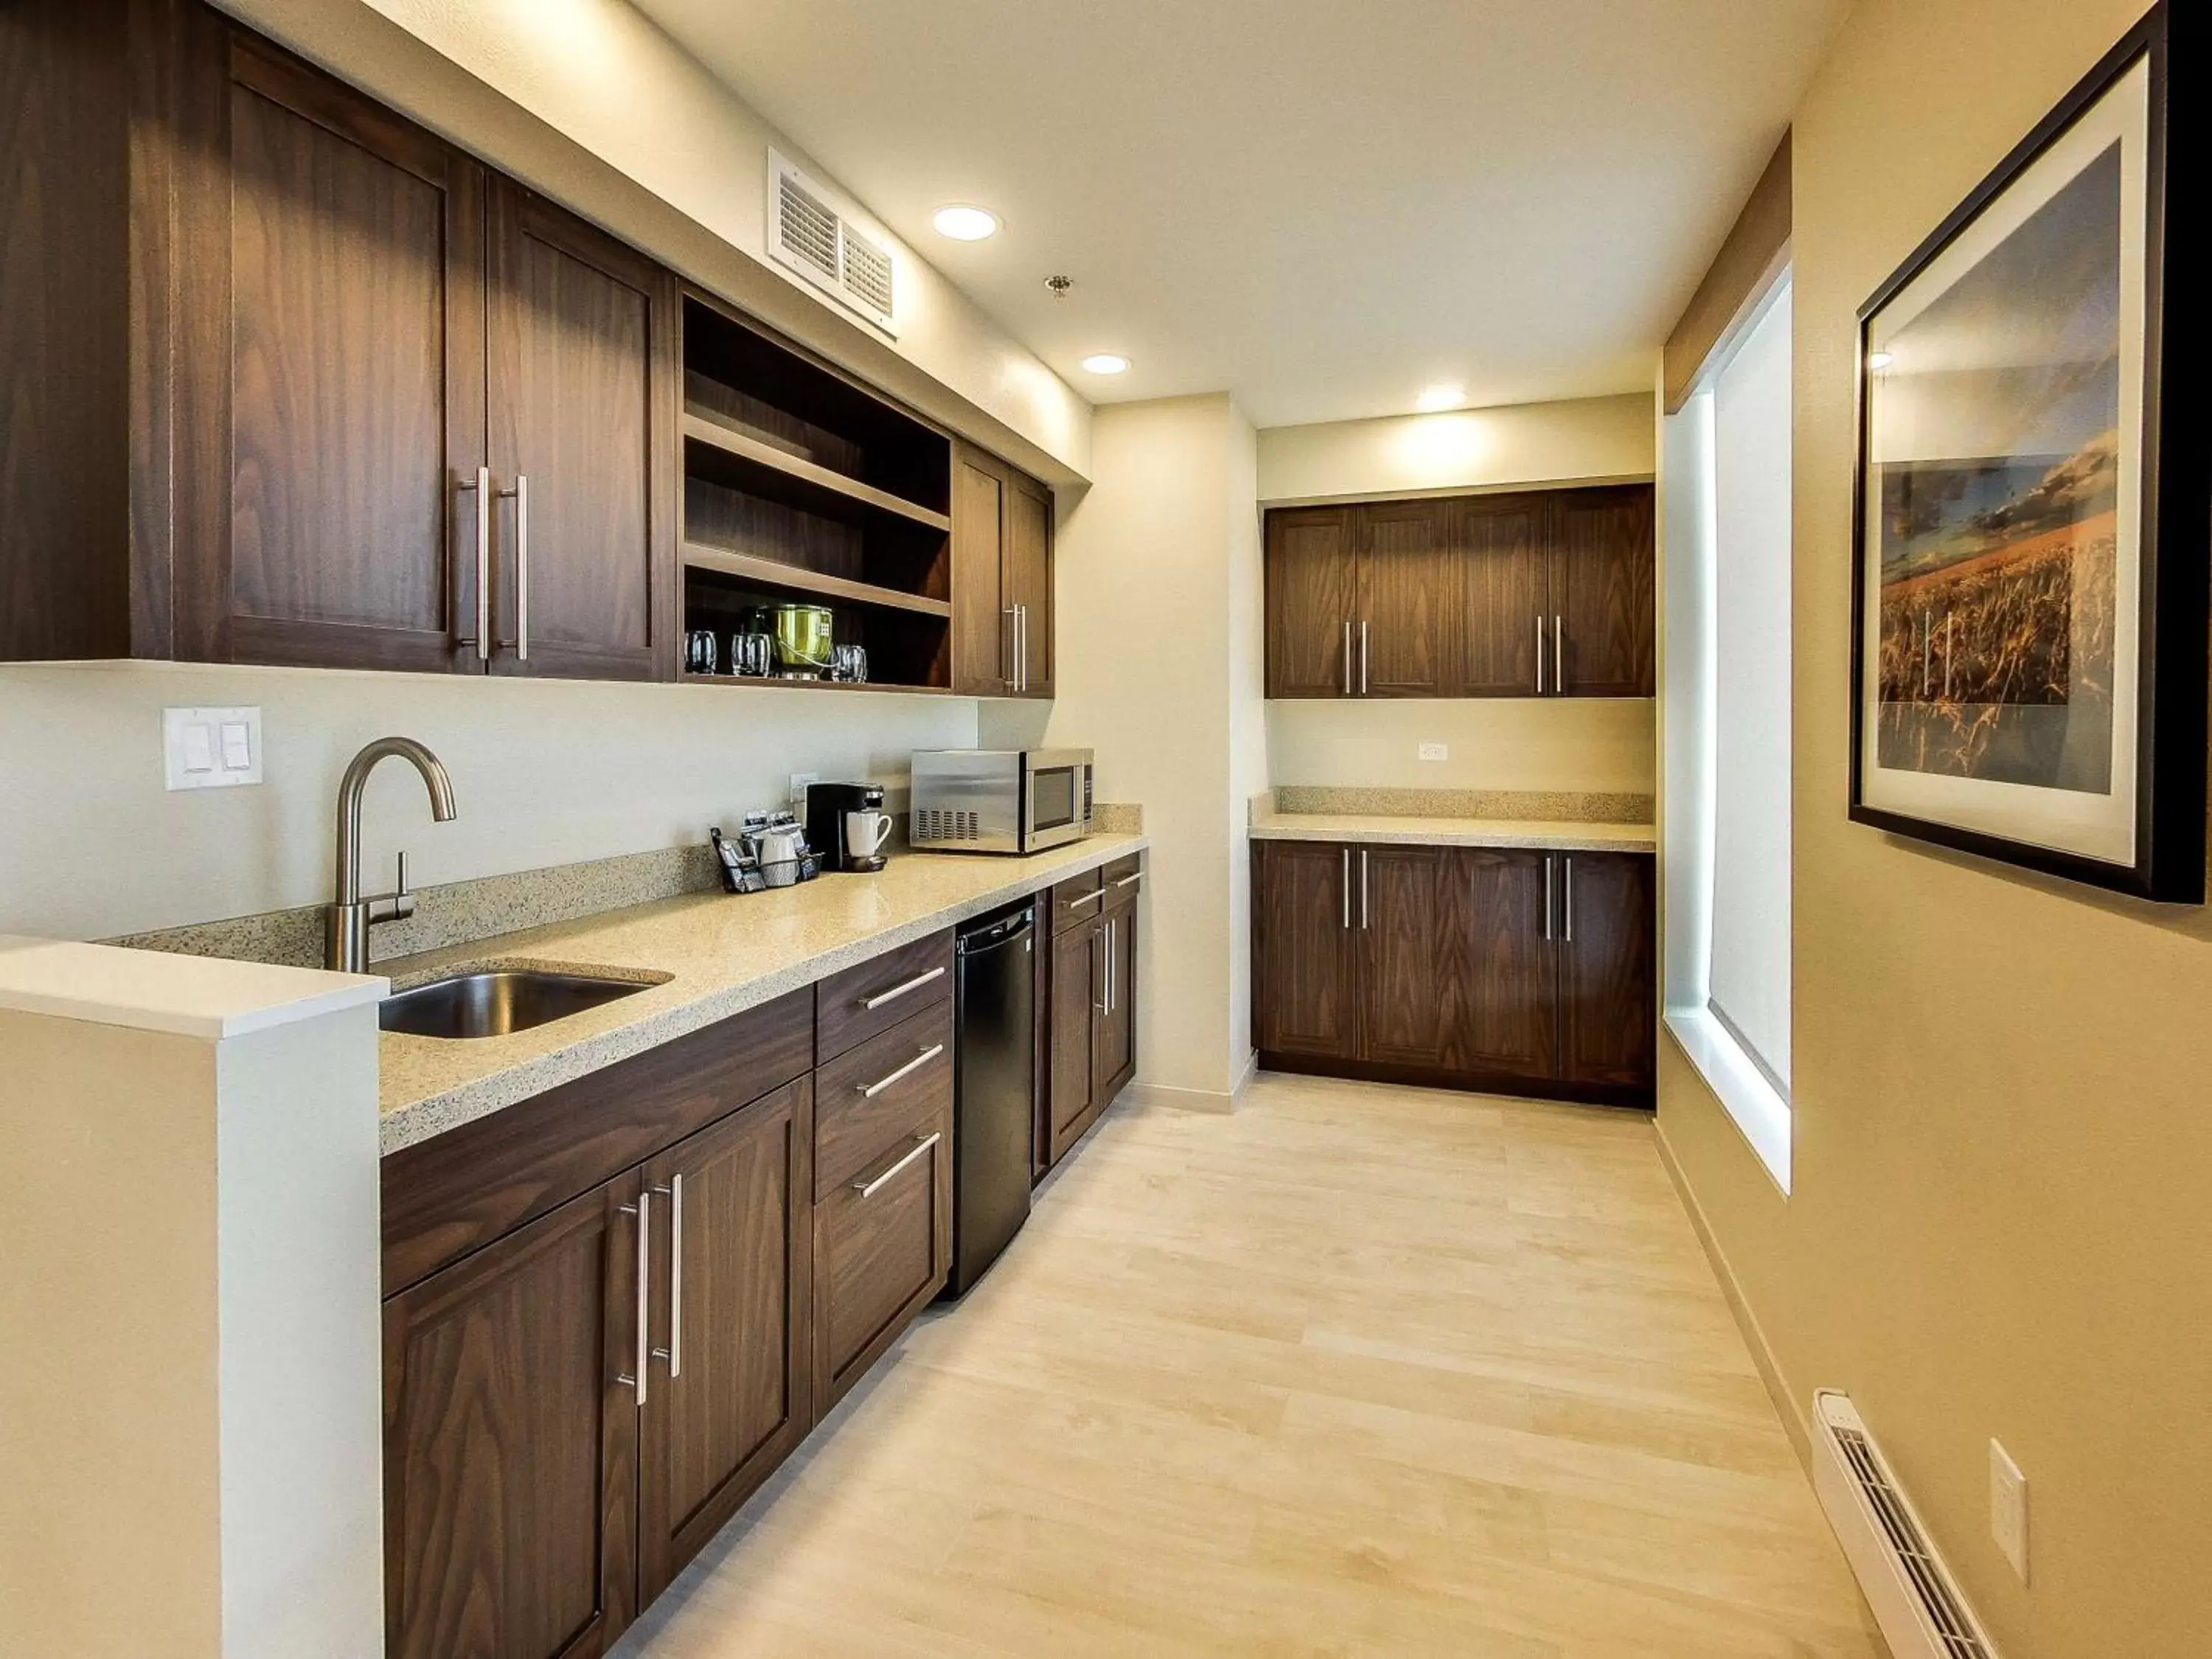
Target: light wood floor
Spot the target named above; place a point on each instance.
(1355, 1370)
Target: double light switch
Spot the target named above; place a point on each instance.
(211, 748)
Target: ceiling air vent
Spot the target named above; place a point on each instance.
(811, 232)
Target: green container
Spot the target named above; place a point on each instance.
(802, 640)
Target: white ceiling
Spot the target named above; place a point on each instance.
(1320, 205)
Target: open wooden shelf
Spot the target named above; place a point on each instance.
(750, 567)
(739, 461)
(773, 684)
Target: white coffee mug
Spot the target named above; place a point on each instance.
(865, 832)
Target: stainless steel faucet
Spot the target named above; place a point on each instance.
(352, 916)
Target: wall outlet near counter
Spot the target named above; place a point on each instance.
(799, 782)
(2009, 1508)
(1435, 752)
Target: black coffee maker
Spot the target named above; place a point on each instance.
(847, 825)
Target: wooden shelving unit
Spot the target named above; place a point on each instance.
(801, 484)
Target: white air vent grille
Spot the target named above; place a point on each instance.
(1912, 1594)
(933, 825)
(810, 231)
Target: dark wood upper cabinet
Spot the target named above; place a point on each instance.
(1505, 1016)
(581, 412)
(1028, 583)
(1312, 592)
(731, 1361)
(328, 376)
(1607, 959)
(1408, 627)
(1482, 596)
(1602, 591)
(1504, 596)
(511, 1443)
(1305, 978)
(1002, 583)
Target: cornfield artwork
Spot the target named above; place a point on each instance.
(1994, 509)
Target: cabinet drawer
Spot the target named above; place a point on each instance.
(883, 1243)
(1075, 900)
(853, 1007)
(1122, 880)
(855, 1129)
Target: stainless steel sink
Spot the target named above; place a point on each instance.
(498, 1001)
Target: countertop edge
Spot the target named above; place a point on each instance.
(418, 1120)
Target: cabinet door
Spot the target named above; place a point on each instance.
(1506, 1021)
(1028, 576)
(1504, 595)
(1305, 989)
(1602, 582)
(883, 1244)
(1407, 643)
(510, 1473)
(1312, 583)
(1401, 920)
(329, 374)
(981, 640)
(1607, 1000)
(582, 363)
(1113, 1059)
(1077, 960)
(731, 1246)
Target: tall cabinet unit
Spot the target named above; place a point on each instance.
(1492, 967)
(1535, 593)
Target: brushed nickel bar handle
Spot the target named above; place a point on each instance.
(1344, 883)
(1094, 895)
(1113, 961)
(868, 1189)
(870, 1090)
(482, 487)
(1548, 896)
(1362, 890)
(1124, 882)
(1007, 642)
(1558, 656)
(521, 497)
(1539, 656)
(1567, 900)
(643, 1210)
(1362, 657)
(898, 991)
(1347, 658)
(1022, 645)
(673, 1353)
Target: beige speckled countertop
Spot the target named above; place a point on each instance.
(722, 954)
(1545, 835)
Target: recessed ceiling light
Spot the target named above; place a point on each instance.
(1880, 359)
(1435, 397)
(964, 223)
(1106, 362)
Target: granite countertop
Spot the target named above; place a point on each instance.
(1546, 834)
(721, 953)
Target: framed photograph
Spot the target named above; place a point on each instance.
(2034, 512)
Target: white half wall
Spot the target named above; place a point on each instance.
(544, 772)
(1157, 572)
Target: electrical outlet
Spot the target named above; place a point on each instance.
(1435, 752)
(2009, 1508)
(211, 748)
(799, 782)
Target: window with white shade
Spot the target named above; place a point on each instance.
(1727, 472)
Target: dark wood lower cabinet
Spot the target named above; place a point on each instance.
(728, 1346)
(1509, 970)
(510, 1430)
(1090, 1004)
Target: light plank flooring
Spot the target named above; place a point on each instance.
(1355, 1370)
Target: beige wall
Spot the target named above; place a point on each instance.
(1581, 440)
(1573, 743)
(544, 772)
(604, 81)
(1155, 673)
(2002, 1153)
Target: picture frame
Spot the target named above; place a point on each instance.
(2031, 513)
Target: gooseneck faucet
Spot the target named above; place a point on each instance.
(351, 916)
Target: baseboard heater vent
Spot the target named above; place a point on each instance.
(1914, 1597)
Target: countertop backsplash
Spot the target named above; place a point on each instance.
(1535, 806)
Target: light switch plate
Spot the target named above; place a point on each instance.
(799, 782)
(1435, 752)
(211, 748)
(2009, 1508)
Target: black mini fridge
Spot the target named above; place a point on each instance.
(994, 1086)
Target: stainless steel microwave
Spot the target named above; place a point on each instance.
(999, 800)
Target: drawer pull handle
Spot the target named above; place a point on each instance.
(870, 1090)
(1096, 893)
(898, 991)
(922, 1143)
(1127, 880)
